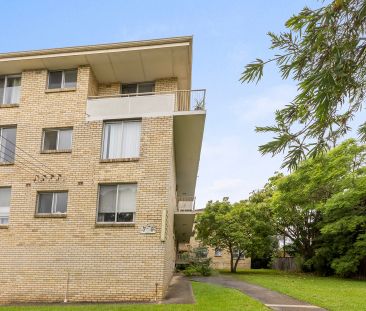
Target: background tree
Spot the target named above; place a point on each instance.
(324, 50)
(241, 229)
(309, 208)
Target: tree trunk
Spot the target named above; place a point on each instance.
(236, 262)
(232, 269)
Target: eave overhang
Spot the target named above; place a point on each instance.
(188, 135)
(127, 62)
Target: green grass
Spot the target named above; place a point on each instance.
(332, 293)
(208, 298)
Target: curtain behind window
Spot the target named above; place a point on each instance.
(131, 139)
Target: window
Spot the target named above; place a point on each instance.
(117, 203)
(121, 139)
(7, 144)
(137, 88)
(4, 205)
(236, 254)
(218, 252)
(10, 90)
(63, 79)
(52, 202)
(57, 139)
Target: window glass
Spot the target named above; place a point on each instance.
(218, 252)
(129, 88)
(117, 203)
(121, 139)
(70, 78)
(60, 206)
(112, 142)
(12, 92)
(4, 205)
(2, 89)
(45, 203)
(50, 140)
(131, 139)
(65, 140)
(107, 203)
(55, 80)
(52, 202)
(7, 144)
(146, 87)
(126, 205)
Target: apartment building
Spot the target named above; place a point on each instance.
(99, 153)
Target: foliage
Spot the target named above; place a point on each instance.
(324, 50)
(199, 267)
(320, 208)
(242, 227)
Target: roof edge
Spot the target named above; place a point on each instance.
(96, 47)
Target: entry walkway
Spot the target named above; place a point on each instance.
(179, 291)
(271, 299)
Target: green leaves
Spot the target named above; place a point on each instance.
(324, 51)
(253, 71)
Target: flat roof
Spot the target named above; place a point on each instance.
(131, 61)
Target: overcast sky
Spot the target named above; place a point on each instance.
(227, 35)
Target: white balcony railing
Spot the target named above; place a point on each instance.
(186, 204)
(144, 104)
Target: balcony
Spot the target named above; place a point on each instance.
(184, 218)
(145, 104)
(186, 204)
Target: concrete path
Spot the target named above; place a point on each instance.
(271, 299)
(179, 291)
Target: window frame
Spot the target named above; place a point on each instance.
(138, 93)
(103, 145)
(218, 252)
(115, 222)
(57, 129)
(3, 103)
(5, 225)
(52, 213)
(62, 87)
(1, 144)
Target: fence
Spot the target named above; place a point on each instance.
(285, 264)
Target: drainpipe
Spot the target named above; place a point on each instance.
(67, 287)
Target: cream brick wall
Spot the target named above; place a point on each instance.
(218, 262)
(103, 263)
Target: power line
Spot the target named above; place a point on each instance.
(17, 154)
(28, 169)
(27, 153)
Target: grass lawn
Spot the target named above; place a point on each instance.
(208, 298)
(329, 292)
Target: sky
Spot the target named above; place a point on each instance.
(227, 35)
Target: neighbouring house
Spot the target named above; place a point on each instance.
(99, 152)
(220, 259)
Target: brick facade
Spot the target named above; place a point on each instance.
(39, 256)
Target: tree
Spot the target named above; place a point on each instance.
(308, 205)
(240, 228)
(324, 50)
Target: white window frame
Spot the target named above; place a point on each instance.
(54, 202)
(116, 204)
(5, 87)
(1, 143)
(218, 252)
(8, 217)
(62, 79)
(58, 138)
(138, 87)
(117, 122)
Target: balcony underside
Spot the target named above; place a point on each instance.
(183, 226)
